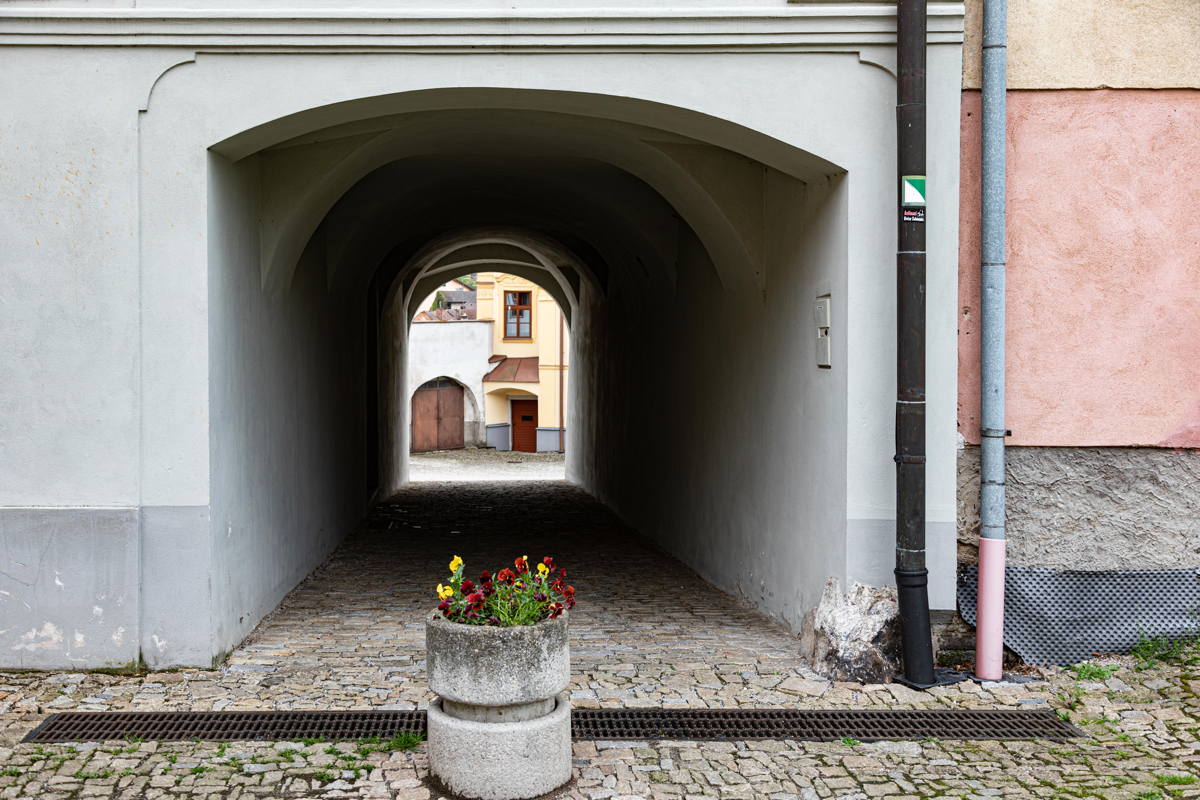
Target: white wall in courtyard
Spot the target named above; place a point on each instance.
(458, 350)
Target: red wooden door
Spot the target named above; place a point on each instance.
(524, 425)
(437, 416)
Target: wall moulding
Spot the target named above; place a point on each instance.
(837, 27)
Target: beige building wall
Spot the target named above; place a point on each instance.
(549, 342)
(1093, 44)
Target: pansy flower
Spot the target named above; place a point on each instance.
(519, 595)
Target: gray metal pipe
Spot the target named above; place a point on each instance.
(989, 644)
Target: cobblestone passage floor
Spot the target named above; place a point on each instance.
(483, 464)
(646, 632)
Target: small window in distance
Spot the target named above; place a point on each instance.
(517, 315)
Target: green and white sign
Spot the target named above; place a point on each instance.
(912, 191)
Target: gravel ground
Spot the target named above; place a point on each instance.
(482, 464)
(646, 632)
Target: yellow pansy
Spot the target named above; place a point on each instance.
(543, 569)
(455, 563)
(445, 592)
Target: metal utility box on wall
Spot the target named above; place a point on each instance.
(821, 315)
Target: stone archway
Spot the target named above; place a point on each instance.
(687, 269)
(661, 252)
(513, 250)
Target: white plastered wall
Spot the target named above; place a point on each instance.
(125, 261)
(706, 422)
(287, 413)
(457, 350)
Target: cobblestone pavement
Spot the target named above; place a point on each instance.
(646, 632)
(481, 464)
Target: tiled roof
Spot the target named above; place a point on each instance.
(445, 315)
(514, 370)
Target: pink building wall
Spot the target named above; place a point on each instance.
(1103, 268)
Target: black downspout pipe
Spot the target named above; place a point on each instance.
(912, 577)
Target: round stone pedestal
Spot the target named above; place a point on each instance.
(501, 760)
(500, 728)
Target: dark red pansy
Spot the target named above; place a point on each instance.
(468, 586)
(521, 564)
(485, 576)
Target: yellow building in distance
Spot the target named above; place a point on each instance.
(525, 389)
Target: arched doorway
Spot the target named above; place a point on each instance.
(686, 251)
(438, 417)
(662, 252)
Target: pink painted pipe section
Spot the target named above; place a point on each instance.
(989, 622)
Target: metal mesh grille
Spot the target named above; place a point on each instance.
(633, 723)
(818, 726)
(221, 726)
(1066, 616)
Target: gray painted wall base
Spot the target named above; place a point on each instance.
(499, 436)
(871, 557)
(548, 440)
(86, 588)
(176, 578)
(68, 587)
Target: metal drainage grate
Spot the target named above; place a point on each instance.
(616, 724)
(225, 726)
(818, 726)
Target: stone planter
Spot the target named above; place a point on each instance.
(500, 727)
